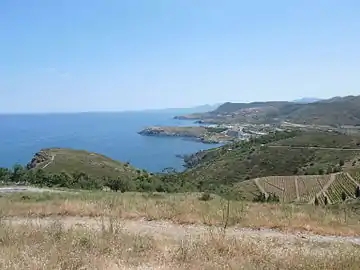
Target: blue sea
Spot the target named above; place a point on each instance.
(112, 134)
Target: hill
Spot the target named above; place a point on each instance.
(307, 100)
(334, 112)
(277, 154)
(303, 188)
(278, 163)
(197, 109)
(57, 160)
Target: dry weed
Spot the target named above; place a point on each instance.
(186, 209)
(54, 247)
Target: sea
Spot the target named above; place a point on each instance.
(111, 134)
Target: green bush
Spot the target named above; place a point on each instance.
(205, 197)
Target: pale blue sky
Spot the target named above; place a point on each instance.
(101, 55)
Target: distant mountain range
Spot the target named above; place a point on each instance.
(197, 109)
(334, 111)
(307, 100)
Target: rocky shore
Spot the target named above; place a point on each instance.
(202, 134)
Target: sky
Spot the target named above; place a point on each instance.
(115, 55)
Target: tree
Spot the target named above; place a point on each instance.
(326, 201)
(5, 175)
(316, 202)
(40, 177)
(18, 174)
(343, 196)
(321, 171)
(260, 198)
(118, 184)
(341, 162)
(357, 192)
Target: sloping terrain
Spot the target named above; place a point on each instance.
(343, 111)
(333, 112)
(57, 160)
(304, 188)
(279, 154)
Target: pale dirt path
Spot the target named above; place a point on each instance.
(256, 181)
(47, 164)
(325, 188)
(178, 231)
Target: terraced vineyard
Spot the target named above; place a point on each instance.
(311, 185)
(282, 186)
(355, 176)
(305, 188)
(342, 184)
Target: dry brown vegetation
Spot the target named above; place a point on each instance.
(91, 231)
(32, 246)
(184, 209)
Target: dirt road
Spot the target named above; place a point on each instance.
(177, 231)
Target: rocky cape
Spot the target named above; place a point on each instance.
(202, 134)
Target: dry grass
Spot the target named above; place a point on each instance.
(183, 209)
(54, 247)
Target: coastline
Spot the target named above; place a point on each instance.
(202, 134)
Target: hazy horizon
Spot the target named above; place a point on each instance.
(101, 56)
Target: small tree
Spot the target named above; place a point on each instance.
(316, 202)
(341, 163)
(117, 184)
(321, 171)
(260, 198)
(343, 196)
(326, 201)
(205, 197)
(357, 192)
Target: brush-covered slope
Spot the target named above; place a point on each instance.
(334, 112)
(278, 154)
(57, 160)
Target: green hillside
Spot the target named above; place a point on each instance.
(57, 160)
(278, 154)
(333, 112)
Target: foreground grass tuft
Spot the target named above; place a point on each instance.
(185, 209)
(54, 247)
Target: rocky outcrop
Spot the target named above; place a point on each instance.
(39, 157)
(191, 132)
(198, 133)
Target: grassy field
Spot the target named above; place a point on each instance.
(28, 242)
(183, 209)
(53, 247)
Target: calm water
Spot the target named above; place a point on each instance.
(111, 134)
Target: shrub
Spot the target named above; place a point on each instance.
(326, 201)
(205, 197)
(260, 198)
(357, 192)
(343, 196)
(316, 202)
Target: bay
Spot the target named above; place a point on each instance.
(112, 134)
